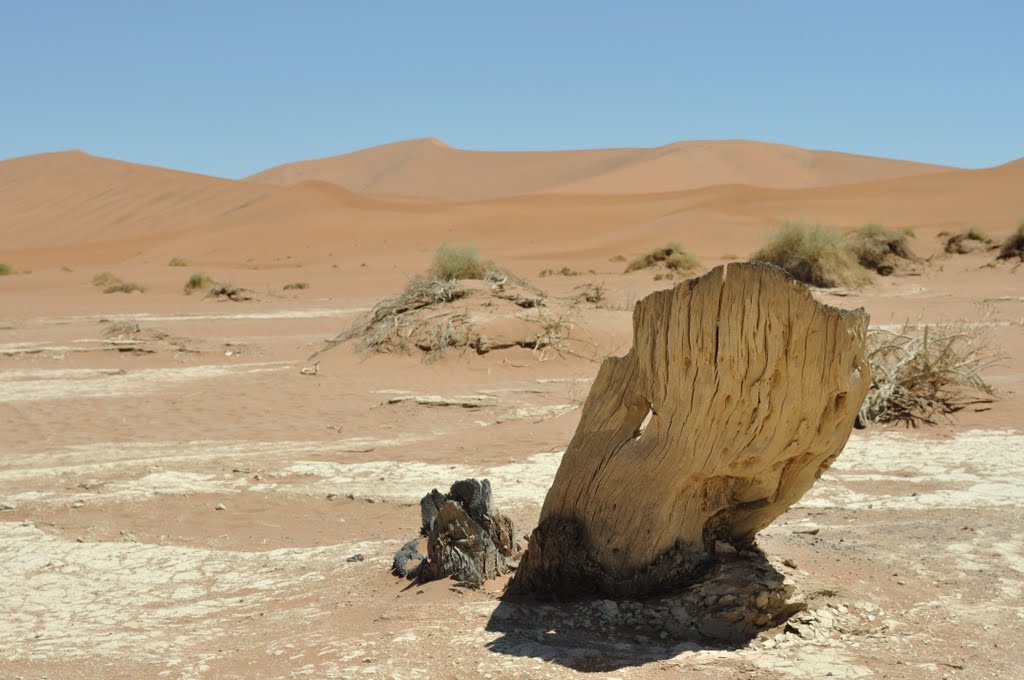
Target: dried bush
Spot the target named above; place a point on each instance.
(228, 291)
(178, 262)
(967, 241)
(814, 254)
(452, 263)
(881, 249)
(299, 285)
(197, 281)
(388, 327)
(125, 287)
(105, 279)
(673, 257)
(1014, 245)
(921, 372)
(5, 269)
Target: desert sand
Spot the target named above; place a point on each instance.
(178, 500)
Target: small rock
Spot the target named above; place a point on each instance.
(6, 506)
(77, 503)
(608, 609)
(790, 562)
(220, 506)
(331, 496)
(900, 582)
(810, 530)
(358, 557)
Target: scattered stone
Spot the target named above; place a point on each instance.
(220, 506)
(790, 562)
(77, 503)
(331, 496)
(6, 506)
(358, 557)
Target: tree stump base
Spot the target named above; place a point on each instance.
(467, 538)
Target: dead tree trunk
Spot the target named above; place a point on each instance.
(740, 390)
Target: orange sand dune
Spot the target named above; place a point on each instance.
(73, 209)
(72, 198)
(429, 168)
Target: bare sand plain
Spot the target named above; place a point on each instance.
(180, 501)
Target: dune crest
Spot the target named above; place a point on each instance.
(429, 168)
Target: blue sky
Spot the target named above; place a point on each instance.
(229, 88)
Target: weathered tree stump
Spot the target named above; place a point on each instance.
(739, 391)
(467, 538)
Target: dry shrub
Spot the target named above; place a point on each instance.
(178, 262)
(922, 372)
(673, 257)
(227, 291)
(5, 269)
(124, 327)
(105, 279)
(125, 287)
(390, 325)
(881, 249)
(298, 285)
(814, 254)
(1014, 245)
(197, 281)
(968, 241)
(452, 263)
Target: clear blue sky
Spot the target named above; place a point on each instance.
(228, 88)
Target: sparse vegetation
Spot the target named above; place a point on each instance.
(921, 372)
(299, 285)
(5, 269)
(454, 263)
(617, 258)
(125, 287)
(730, 256)
(178, 262)
(968, 241)
(881, 249)
(198, 281)
(1013, 246)
(493, 314)
(672, 257)
(105, 279)
(230, 292)
(593, 293)
(564, 271)
(123, 328)
(814, 254)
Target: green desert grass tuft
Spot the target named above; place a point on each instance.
(1013, 246)
(814, 254)
(298, 285)
(673, 257)
(197, 281)
(5, 269)
(178, 262)
(879, 248)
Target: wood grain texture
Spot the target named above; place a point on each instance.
(739, 391)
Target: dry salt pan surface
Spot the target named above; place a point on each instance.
(86, 383)
(892, 580)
